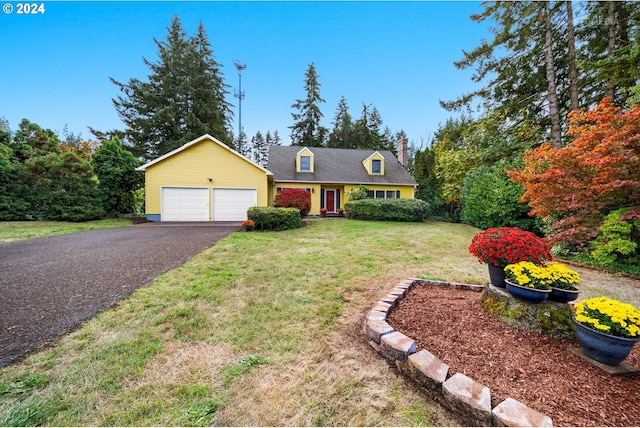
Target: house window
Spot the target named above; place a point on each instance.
(308, 189)
(376, 166)
(383, 194)
(305, 163)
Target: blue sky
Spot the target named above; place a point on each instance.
(397, 56)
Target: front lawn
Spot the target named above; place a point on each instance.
(18, 230)
(262, 329)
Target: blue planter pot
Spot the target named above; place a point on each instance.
(563, 296)
(526, 294)
(602, 347)
(496, 276)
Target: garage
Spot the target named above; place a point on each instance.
(204, 180)
(185, 204)
(232, 204)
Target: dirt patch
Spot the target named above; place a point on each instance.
(535, 370)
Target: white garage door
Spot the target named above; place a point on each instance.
(232, 204)
(185, 204)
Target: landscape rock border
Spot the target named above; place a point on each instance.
(466, 397)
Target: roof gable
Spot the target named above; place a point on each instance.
(205, 137)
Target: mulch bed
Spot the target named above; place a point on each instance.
(536, 370)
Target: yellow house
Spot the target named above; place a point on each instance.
(329, 174)
(204, 180)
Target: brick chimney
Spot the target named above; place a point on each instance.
(402, 152)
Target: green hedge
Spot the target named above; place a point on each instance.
(387, 209)
(271, 218)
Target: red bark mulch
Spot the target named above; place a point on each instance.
(536, 370)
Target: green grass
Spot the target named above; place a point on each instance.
(261, 329)
(19, 230)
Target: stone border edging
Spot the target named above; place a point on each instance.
(465, 396)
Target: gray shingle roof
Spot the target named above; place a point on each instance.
(336, 166)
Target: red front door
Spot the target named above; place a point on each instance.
(330, 199)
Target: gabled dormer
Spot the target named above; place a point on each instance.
(305, 161)
(374, 164)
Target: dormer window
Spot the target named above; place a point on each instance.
(305, 163)
(376, 166)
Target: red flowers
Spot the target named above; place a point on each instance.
(501, 246)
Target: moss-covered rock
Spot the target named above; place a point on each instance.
(546, 318)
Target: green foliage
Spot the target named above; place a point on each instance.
(15, 192)
(489, 199)
(306, 130)
(619, 241)
(117, 178)
(294, 198)
(183, 98)
(388, 209)
(272, 218)
(64, 188)
(357, 193)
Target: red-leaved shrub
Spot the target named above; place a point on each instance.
(296, 198)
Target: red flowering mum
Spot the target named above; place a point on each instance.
(501, 246)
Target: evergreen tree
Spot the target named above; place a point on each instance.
(307, 130)
(367, 129)
(610, 49)
(276, 139)
(511, 66)
(31, 140)
(242, 145)
(183, 98)
(118, 179)
(63, 188)
(260, 149)
(343, 131)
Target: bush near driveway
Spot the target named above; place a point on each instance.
(388, 209)
(271, 218)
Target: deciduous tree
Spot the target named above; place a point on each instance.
(574, 187)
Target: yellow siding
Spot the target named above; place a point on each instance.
(406, 192)
(305, 152)
(315, 193)
(368, 166)
(193, 167)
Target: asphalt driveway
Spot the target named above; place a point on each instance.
(48, 286)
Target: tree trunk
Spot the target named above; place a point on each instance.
(611, 47)
(573, 68)
(554, 114)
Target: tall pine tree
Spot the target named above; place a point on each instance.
(307, 130)
(183, 98)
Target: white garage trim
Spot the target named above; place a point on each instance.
(231, 204)
(184, 203)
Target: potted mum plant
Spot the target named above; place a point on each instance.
(248, 225)
(563, 284)
(607, 329)
(528, 281)
(500, 246)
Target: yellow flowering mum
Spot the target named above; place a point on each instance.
(531, 275)
(610, 316)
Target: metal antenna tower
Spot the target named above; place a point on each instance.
(239, 94)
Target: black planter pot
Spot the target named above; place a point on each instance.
(563, 296)
(496, 276)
